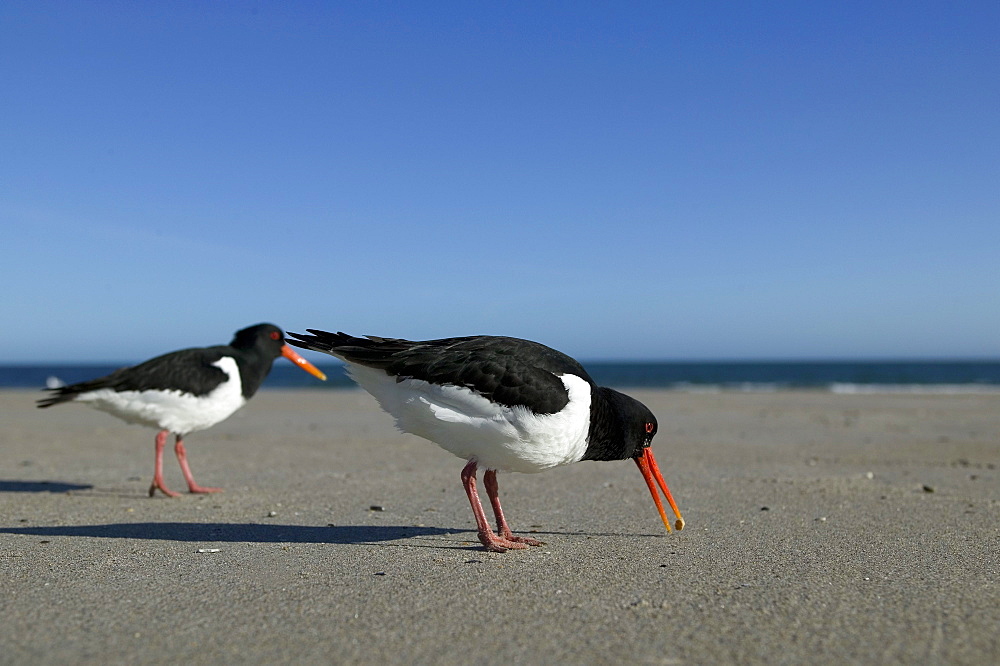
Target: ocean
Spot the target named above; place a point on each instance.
(832, 376)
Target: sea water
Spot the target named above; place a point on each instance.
(966, 376)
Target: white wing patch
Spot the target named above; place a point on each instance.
(470, 426)
(176, 411)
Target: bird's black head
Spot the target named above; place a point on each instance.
(264, 337)
(256, 348)
(621, 427)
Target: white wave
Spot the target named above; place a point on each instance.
(739, 387)
(930, 389)
(845, 388)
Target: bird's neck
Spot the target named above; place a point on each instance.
(253, 370)
(606, 440)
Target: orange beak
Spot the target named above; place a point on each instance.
(650, 471)
(287, 352)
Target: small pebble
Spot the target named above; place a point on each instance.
(928, 489)
(272, 514)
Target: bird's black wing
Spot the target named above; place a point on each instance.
(508, 371)
(188, 370)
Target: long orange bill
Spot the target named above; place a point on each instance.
(287, 352)
(650, 471)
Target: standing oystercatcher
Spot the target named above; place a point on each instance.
(501, 404)
(186, 391)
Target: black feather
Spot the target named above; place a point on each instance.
(189, 370)
(509, 371)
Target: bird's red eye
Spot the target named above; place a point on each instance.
(275, 335)
(649, 428)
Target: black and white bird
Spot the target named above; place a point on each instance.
(186, 391)
(500, 403)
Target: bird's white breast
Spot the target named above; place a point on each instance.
(176, 411)
(470, 426)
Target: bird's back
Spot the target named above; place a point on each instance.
(508, 371)
(188, 371)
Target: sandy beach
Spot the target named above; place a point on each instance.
(821, 528)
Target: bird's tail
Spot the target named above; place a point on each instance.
(58, 395)
(369, 350)
(69, 393)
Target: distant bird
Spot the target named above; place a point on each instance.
(502, 404)
(186, 391)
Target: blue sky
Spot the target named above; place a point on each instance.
(661, 180)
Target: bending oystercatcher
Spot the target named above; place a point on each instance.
(186, 391)
(502, 404)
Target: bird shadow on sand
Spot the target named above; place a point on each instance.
(7, 486)
(238, 532)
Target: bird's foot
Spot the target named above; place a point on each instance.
(495, 543)
(157, 484)
(195, 488)
(525, 540)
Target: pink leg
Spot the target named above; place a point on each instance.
(182, 459)
(161, 441)
(492, 491)
(491, 541)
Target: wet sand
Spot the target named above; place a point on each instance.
(821, 528)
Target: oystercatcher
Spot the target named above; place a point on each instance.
(186, 391)
(502, 404)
